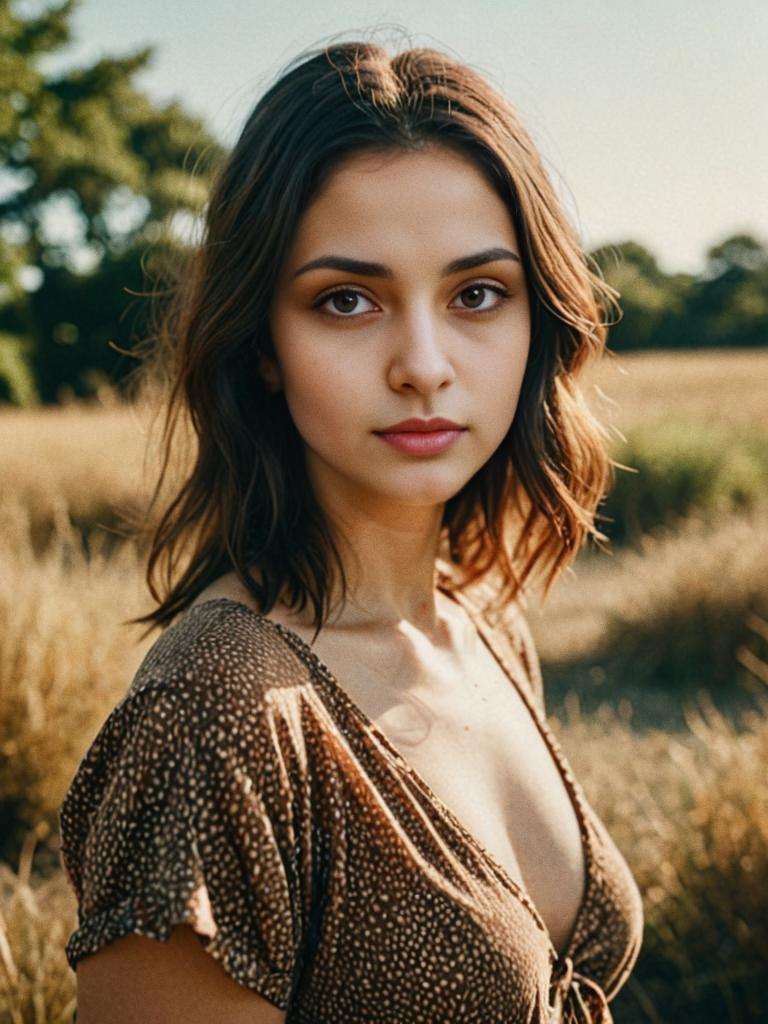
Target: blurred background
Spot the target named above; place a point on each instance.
(653, 122)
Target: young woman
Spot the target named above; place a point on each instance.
(330, 793)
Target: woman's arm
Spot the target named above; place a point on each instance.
(136, 980)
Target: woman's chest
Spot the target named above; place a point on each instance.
(470, 736)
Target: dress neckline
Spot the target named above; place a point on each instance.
(337, 692)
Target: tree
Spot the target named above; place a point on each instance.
(741, 253)
(729, 304)
(93, 173)
(651, 301)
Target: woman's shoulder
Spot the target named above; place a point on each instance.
(182, 809)
(219, 649)
(213, 693)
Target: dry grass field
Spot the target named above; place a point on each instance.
(724, 386)
(685, 796)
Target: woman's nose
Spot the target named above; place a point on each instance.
(420, 360)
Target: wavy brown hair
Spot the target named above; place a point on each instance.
(246, 504)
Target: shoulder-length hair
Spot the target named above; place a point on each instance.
(247, 502)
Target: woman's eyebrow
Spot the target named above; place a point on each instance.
(366, 269)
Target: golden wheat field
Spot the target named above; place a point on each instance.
(683, 791)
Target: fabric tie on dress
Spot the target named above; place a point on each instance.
(578, 999)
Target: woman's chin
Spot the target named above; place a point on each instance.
(426, 495)
(410, 481)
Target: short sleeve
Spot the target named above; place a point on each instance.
(166, 822)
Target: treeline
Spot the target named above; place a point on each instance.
(93, 175)
(725, 305)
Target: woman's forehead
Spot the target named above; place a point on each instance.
(362, 174)
(405, 200)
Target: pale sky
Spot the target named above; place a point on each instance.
(652, 115)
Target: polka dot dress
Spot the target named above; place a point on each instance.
(238, 789)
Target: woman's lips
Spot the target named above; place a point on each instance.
(422, 442)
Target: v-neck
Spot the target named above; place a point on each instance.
(337, 691)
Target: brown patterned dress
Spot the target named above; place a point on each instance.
(237, 788)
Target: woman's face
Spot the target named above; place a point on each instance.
(402, 296)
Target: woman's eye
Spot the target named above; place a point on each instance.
(476, 296)
(345, 302)
(348, 303)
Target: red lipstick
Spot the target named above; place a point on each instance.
(422, 437)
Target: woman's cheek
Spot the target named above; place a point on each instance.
(321, 409)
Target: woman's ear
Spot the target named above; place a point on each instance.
(269, 372)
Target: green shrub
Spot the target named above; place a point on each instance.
(17, 384)
(689, 811)
(682, 468)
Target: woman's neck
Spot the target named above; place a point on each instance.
(390, 565)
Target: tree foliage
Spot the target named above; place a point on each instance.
(726, 305)
(92, 173)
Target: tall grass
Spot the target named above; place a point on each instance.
(36, 919)
(665, 618)
(96, 461)
(84, 456)
(64, 659)
(679, 469)
(690, 812)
